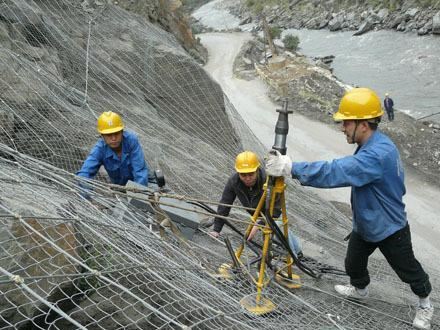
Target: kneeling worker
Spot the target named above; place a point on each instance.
(247, 184)
(119, 151)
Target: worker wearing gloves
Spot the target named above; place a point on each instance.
(376, 176)
(118, 151)
(247, 184)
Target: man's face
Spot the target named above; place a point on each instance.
(248, 179)
(113, 140)
(348, 127)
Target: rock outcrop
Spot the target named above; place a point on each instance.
(172, 18)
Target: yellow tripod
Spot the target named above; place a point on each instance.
(258, 304)
(273, 188)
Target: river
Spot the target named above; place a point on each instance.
(403, 64)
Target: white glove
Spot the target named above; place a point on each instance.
(278, 165)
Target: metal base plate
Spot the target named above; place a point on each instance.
(263, 306)
(225, 271)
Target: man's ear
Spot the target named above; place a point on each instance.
(364, 125)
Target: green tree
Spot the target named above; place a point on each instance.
(275, 32)
(291, 42)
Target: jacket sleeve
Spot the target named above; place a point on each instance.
(357, 170)
(92, 163)
(228, 197)
(140, 168)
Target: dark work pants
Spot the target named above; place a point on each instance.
(398, 251)
(390, 114)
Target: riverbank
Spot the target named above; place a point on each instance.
(404, 16)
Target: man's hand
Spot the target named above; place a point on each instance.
(278, 165)
(214, 234)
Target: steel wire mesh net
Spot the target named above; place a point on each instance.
(69, 262)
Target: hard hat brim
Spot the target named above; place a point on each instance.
(111, 130)
(247, 170)
(340, 116)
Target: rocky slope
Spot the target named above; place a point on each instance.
(171, 16)
(361, 16)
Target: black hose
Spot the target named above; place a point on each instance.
(251, 244)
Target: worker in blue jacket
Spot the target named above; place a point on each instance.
(118, 151)
(376, 176)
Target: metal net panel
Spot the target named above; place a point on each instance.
(67, 262)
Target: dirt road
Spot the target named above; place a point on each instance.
(309, 140)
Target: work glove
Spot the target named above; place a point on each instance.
(278, 165)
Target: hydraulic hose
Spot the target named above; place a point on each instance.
(255, 247)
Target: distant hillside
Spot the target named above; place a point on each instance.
(390, 4)
(421, 17)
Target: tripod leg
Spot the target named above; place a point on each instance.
(254, 219)
(289, 261)
(267, 233)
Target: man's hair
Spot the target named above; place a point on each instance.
(373, 123)
(373, 126)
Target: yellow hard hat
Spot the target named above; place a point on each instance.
(246, 162)
(387, 94)
(109, 122)
(359, 104)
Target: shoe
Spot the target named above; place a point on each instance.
(423, 318)
(350, 291)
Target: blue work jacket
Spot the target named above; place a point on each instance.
(376, 176)
(131, 165)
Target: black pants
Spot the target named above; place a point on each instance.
(398, 251)
(390, 114)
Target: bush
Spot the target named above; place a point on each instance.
(291, 42)
(275, 32)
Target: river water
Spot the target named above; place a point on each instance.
(403, 64)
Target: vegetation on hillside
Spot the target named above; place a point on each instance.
(257, 6)
(291, 42)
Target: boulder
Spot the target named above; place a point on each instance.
(436, 23)
(383, 13)
(365, 27)
(399, 19)
(412, 12)
(401, 27)
(422, 31)
(245, 20)
(336, 23)
(325, 59)
(27, 254)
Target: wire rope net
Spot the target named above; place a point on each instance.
(69, 262)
